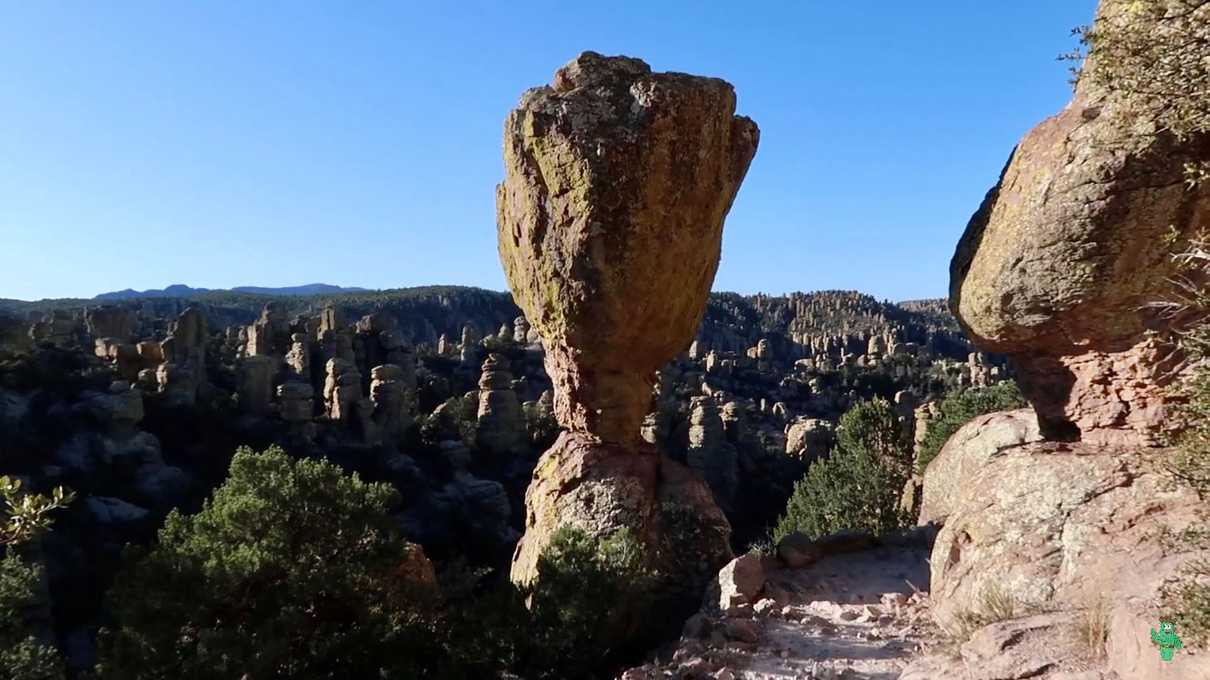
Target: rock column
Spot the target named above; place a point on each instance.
(610, 222)
(501, 428)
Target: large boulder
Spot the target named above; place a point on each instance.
(610, 225)
(610, 221)
(1057, 526)
(968, 450)
(602, 488)
(1058, 267)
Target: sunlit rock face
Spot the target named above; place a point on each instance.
(1061, 264)
(610, 219)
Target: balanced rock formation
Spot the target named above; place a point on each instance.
(184, 353)
(1060, 263)
(1057, 269)
(343, 399)
(298, 359)
(610, 222)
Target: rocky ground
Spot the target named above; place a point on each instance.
(866, 616)
(853, 615)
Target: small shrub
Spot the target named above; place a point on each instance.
(958, 409)
(26, 517)
(997, 604)
(291, 569)
(1093, 627)
(588, 599)
(763, 546)
(580, 618)
(1187, 596)
(22, 656)
(994, 605)
(858, 486)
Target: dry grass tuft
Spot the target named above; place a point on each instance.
(1092, 628)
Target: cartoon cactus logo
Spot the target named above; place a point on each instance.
(1167, 639)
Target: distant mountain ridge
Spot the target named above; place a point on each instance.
(179, 290)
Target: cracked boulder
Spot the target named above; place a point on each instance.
(1058, 266)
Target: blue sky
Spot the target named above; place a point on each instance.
(221, 144)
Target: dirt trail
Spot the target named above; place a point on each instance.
(856, 616)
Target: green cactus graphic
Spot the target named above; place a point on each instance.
(1167, 640)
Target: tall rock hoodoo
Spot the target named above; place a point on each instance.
(610, 221)
(500, 426)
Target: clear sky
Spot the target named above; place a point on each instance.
(358, 143)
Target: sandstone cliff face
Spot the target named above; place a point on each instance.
(610, 222)
(1058, 266)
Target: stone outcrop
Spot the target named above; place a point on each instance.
(709, 454)
(500, 425)
(270, 334)
(968, 450)
(123, 355)
(809, 438)
(298, 359)
(341, 390)
(111, 322)
(256, 384)
(392, 407)
(1058, 266)
(1057, 526)
(469, 350)
(610, 223)
(1058, 269)
(184, 352)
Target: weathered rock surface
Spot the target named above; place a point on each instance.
(1058, 525)
(602, 488)
(110, 322)
(741, 581)
(392, 407)
(966, 452)
(1058, 266)
(809, 438)
(500, 425)
(610, 223)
